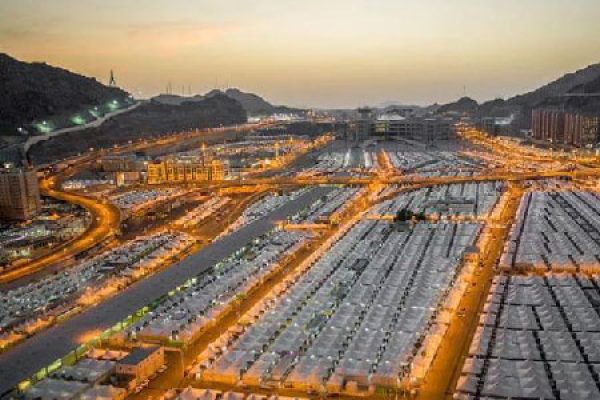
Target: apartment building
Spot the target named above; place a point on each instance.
(185, 170)
(565, 128)
(19, 193)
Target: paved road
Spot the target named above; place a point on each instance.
(105, 217)
(41, 350)
(499, 175)
(92, 124)
(105, 223)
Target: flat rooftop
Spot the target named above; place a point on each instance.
(138, 355)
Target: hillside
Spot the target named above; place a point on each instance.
(176, 100)
(567, 83)
(556, 94)
(255, 104)
(553, 95)
(33, 91)
(464, 105)
(252, 103)
(148, 120)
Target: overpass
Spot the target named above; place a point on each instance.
(394, 179)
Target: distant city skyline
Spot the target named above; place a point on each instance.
(338, 54)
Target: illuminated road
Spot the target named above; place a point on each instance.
(104, 225)
(105, 221)
(500, 175)
(41, 350)
(441, 378)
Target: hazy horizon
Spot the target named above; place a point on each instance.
(341, 54)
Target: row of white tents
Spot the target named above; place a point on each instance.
(357, 316)
(465, 199)
(427, 162)
(538, 338)
(188, 312)
(327, 206)
(555, 231)
(36, 299)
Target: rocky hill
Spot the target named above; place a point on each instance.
(568, 83)
(149, 119)
(557, 94)
(252, 103)
(33, 91)
(464, 105)
(176, 100)
(255, 104)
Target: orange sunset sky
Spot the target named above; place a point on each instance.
(327, 53)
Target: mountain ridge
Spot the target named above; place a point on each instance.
(35, 91)
(252, 103)
(555, 94)
(147, 120)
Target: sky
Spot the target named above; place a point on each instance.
(311, 53)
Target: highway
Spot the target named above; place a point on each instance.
(500, 175)
(41, 350)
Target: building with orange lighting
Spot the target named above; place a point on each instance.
(431, 128)
(185, 170)
(19, 193)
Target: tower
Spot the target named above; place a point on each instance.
(203, 148)
(363, 126)
(112, 82)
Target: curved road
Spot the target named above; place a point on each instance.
(105, 217)
(22, 361)
(105, 224)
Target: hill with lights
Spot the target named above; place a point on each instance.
(34, 93)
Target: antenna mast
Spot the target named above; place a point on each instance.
(112, 81)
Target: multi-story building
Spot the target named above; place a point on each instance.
(423, 128)
(582, 130)
(363, 127)
(568, 128)
(496, 126)
(185, 170)
(123, 163)
(19, 193)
